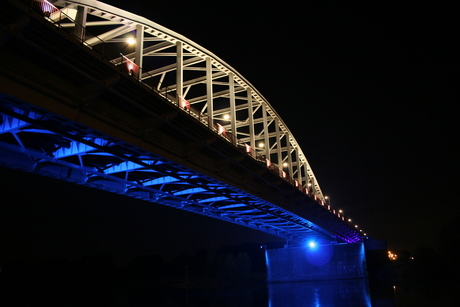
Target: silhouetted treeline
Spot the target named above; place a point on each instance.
(429, 270)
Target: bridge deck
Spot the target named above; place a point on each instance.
(72, 114)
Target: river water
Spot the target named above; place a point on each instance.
(338, 293)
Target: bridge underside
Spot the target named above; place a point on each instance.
(35, 141)
(68, 114)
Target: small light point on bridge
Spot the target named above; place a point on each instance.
(226, 117)
(131, 41)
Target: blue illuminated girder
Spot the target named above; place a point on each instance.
(96, 161)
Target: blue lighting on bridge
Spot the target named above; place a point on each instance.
(318, 252)
(312, 244)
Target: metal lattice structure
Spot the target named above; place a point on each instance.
(180, 68)
(190, 78)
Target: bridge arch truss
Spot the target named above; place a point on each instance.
(194, 77)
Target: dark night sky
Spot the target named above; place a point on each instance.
(367, 91)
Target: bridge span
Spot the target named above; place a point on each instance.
(98, 96)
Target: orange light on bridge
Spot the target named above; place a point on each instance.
(220, 129)
(248, 148)
(131, 67)
(185, 104)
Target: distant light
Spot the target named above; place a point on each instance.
(285, 164)
(340, 211)
(349, 220)
(131, 41)
(261, 145)
(312, 244)
(356, 226)
(392, 256)
(226, 116)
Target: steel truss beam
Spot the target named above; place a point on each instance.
(96, 161)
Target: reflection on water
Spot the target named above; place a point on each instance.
(335, 293)
(338, 293)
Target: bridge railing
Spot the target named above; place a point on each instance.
(48, 9)
(54, 15)
(186, 107)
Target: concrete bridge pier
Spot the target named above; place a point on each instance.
(324, 260)
(317, 261)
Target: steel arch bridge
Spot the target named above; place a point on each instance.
(187, 77)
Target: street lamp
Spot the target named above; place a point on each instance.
(328, 200)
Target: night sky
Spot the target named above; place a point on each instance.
(367, 91)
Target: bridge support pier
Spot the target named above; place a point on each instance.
(317, 261)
